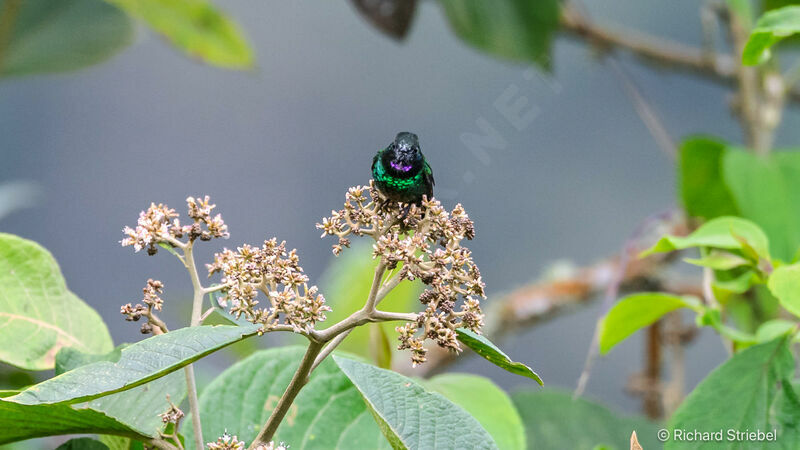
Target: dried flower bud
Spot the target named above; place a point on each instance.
(159, 224)
(427, 246)
(273, 271)
(226, 442)
(273, 446)
(172, 415)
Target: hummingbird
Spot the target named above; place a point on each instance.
(401, 172)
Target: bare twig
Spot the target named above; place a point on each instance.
(652, 48)
(646, 112)
(718, 67)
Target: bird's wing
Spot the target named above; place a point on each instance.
(429, 173)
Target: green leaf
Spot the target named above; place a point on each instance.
(701, 183)
(486, 349)
(519, 30)
(787, 412)
(637, 311)
(346, 283)
(737, 395)
(328, 413)
(82, 444)
(196, 27)
(68, 358)
(772, 329)
(770, 29)
(736, 285)
(486, 402)
(713, 318)
(719, 261)
(411, 417)
(722, 232)
(553, 419)
(133, 412)
(59, 36)
(379, 346)
(784, 283)
(138, 363)
(767, 192)
(119, 443)
(36, 303)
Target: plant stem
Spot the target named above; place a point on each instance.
(197, 306)
(330, 347)
(317, 349)
(299, 379)
(8, 16)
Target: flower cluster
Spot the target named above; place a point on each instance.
(275, 272)
(152, 301)
(228, 442)
(172, 415)
(159, 224)
(425, 242)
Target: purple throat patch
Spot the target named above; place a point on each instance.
(400, 167)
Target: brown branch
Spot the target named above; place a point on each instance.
(721, 68)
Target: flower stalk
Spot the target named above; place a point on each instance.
(411, 242)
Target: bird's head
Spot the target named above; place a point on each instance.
(405, 153)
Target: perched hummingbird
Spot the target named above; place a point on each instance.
(401, 172)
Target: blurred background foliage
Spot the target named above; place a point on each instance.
(277, 144)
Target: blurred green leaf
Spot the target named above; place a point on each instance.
(346, 283)
(713, 318)
(521, 30)
(196, 27)
(737, 395)
(379, 346)
(328, 413)
(486, 402)
(767, 191)
(411, 417)
(738, 284)
(488, 351)
(718, 261)
(771, 28)
(784, 283)
(119, 442)
(722, 232)
(82, 444)
(37, 304)
(637, 311)
(41, 36)
(772, 329)
(702, 187)
(555, 420)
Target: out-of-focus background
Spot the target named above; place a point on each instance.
(277, 147)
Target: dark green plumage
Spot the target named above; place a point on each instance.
(401, 172)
